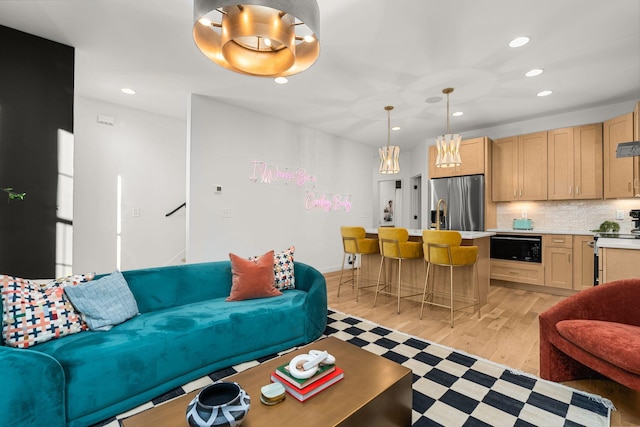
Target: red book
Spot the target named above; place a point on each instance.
(313, 388)
(283, 372)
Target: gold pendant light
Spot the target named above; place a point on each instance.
(267, 38)
(448, 145)
(389, 155)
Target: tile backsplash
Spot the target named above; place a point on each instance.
(583, 215)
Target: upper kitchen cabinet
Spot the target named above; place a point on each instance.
(519, 168)
(620, 175)
(575, 163)
(473, 153)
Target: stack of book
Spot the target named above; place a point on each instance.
(302, 390)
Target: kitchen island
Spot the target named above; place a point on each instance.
(414, 270)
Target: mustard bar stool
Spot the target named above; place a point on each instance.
(395, 245)
(442, 248)
(356, 244)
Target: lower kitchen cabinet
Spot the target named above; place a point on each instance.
(557, 252)
(567, 263)
(582, 262)
(616, 264)
(518, 271)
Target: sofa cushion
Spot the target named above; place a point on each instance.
(175, 345)
(104, 302)
(252, 278)
(283, 269)
(616, 343)
(34, 313)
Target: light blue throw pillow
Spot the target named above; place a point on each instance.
(105, 302)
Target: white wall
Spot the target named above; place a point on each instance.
(148, 151)
(157, 163)
(224, 141)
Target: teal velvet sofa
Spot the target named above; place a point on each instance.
(185, 330)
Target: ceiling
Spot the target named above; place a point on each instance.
(373, 53)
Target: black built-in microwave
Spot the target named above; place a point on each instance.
(516, 247)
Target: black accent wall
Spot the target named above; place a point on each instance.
(36, 99)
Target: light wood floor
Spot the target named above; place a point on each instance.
(506, 333)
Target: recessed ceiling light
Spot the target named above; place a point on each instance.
(545, 93)
(433, 100)
(128, 91)
(457, 114)
(281, 80)
(395, 128)
(519, 41)
(534, 72)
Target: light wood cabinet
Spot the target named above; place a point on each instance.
(557, 251)
(472, 154)
(519, 168)
(582, 262)
(618, 264)
(620, 175)
(518, 271)
(575, 163)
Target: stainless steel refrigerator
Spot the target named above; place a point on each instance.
(464, 197)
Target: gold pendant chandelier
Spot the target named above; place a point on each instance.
(389, 155)
(448, 145)
(267, 38)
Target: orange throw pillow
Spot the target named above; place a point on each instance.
(252, 278)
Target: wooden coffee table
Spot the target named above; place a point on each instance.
(374, 392)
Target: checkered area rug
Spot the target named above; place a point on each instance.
(450, 388)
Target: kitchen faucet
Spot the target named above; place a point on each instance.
(438, 212)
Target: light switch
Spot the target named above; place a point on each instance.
(136, 212)
(226, 213)
(619, 214)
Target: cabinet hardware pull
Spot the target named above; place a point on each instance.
(514, 273)
(570, 190)
(558, 240)
(521, 192)
(577, 190)
(515, 193)
(629, 186)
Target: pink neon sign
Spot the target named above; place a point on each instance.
(327, 202)
(270, 174)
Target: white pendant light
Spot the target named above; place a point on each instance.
(448, 145)
(389, 155)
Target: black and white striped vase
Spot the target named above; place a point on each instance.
(220, 404)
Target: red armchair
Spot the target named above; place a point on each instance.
(594, 334)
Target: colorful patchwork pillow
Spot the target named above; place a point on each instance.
(33, 313)
(252, 278)
(283, 269)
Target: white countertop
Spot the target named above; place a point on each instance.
(541, 231)
(618, 243)
(465, 234)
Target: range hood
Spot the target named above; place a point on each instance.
(628, 149)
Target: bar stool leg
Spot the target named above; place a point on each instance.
(344, 257)
(451, 293)
(399, 282)
(424, 293)
(477, 289)
(378, 284)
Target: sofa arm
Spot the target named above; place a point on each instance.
(613, 302)
(313, 282)
(33, 389)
